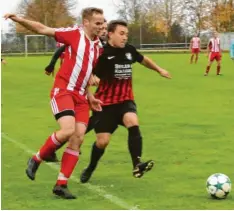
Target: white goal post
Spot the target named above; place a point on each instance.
(26, 42)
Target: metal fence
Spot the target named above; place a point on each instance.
(21, 44)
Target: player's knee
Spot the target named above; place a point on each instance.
(75, 141)
(130, 119)
(102, 143)
(68, 132)
(79, 139)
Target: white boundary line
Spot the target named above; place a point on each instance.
(113, 199)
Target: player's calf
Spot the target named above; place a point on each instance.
(52, 158)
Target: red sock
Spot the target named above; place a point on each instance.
(207, 69)
(68, 163)
(218, 69)
(47, 149)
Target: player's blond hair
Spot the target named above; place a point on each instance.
(88, 12)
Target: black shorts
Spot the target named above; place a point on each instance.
(112, 115)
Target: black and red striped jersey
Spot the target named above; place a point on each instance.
(114, 68)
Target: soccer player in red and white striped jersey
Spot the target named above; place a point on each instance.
(195, 46)
(93, 81)
(68, 95)
(214, 52)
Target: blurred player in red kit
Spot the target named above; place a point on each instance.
(214, 52)
(195, 46)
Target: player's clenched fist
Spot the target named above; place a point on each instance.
(10, 16)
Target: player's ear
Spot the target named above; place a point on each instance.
(85, 22)
(109, 34)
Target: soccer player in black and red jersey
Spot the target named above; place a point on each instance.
(114, 69)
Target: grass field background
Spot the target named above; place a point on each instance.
(187, 125)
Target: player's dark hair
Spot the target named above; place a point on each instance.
(113, 25)
(89, 11)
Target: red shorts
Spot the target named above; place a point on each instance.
(195, 50)
(214, 56)
(63, 100)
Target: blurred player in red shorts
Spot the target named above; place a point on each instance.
(195, 44)
(214, 53)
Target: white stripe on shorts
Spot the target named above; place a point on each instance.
(54, 106)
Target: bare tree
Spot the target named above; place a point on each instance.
(130, 10)
(54, 13)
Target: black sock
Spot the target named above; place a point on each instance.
(135, 144)
(61, 145)
(96, 155)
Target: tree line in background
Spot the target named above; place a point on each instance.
(172, 21)
(150, 21)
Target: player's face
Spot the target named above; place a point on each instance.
(119, 37)
(94, 23)
(103, 32)
(215, 34)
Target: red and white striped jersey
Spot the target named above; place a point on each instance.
(58, 44)
(195, 42)
(214, 44)
(80, 57)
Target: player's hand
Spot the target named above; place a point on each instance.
(10, 16)
(164, 73)
(49, 70)
(95, 103)
(94, 80)
(4, 62)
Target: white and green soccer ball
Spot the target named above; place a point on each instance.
(218, 185)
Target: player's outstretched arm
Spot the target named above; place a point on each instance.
(50, 68)
(220, 49)
(34, 26)
(147, 62)
(208, 48)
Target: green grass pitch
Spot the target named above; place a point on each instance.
(187, 125)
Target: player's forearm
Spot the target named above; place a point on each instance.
(34, 26)
(147, 62)
(56, 55)
(190, 46)
(90, 95)
(208, 49)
